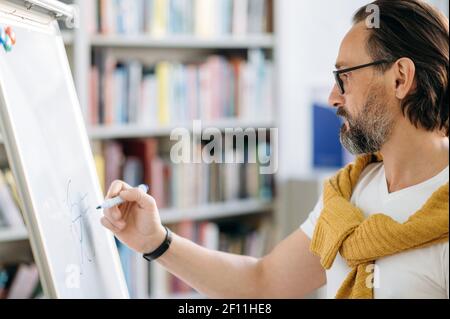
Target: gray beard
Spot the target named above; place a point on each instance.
(370, 130)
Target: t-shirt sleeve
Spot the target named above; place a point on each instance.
(310, 223)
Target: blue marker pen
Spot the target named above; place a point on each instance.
(117, 200)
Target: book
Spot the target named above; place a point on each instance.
(232, 237)
(10, 215)
(159, 281)
(240, 17)
(144, 151)
(133, 171)
(159, 18)
(24, 283)
(257, 13)
(92, 117)
(167, 93)
(205, 17)
(113, 154)
(202, 18)
(186, 185)
(100, 164)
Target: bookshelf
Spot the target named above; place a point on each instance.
(173, 216)
(215, 211)
(182, 42)
(104, 132)
(140, 131)
(12, 235)
(82, 44)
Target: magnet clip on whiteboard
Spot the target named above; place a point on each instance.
(7, 38)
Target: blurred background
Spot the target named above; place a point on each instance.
(144, 67)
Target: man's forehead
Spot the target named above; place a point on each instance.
(353, 46)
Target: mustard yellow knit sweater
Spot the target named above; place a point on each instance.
(343, 228)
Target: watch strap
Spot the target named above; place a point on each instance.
(158, 252)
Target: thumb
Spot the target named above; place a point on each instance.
(138, 196)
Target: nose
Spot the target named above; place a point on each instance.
(336, 99)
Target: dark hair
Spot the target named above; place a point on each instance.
(414, 29)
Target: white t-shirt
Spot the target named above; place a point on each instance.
(419, 273)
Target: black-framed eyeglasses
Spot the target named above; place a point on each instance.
(337, 74)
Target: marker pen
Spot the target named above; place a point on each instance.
(117, 200)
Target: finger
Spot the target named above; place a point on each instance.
(118, 225)
(115, 188)
(113, 213)
(107, 224)
(138, 196)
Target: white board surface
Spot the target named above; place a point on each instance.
(49, 151)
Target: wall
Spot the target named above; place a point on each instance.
(309, 35)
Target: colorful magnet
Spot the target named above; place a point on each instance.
(7, 38)
(8, 44)
(11, 34)
(3, 35)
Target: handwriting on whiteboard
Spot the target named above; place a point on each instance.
(79, 209)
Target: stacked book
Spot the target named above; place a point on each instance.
(19, 281)
(186, 185)
(181, 17)
(168, 93)
(236, 238)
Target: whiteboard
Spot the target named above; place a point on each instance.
(49, 151)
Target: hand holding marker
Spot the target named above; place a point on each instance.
(109, 203)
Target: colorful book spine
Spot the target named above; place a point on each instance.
(187, 185)
(242, 239)
(128, 92)
(202, 18)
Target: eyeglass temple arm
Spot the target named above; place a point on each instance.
(361, 66)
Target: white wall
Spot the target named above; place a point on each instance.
(441, 5)
(308, 33)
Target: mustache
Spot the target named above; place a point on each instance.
(342, 112)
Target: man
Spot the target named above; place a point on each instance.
(381, 228)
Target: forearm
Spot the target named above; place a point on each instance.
(214, 274)
(290, 270)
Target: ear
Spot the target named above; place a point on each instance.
(405, 71)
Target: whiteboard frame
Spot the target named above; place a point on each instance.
(40, 22)
(57, 9)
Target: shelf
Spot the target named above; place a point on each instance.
(11, 235)
(183, 42)
(216, 210)
(168, 216)
(140, 131)
(79, 45)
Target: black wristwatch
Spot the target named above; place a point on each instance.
(158, 252)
